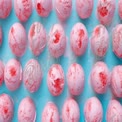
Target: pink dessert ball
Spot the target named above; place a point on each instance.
(43, 7)
(50, 113)
(27, 110)
(1, 72)
(23, 9)
(37, 38)
(70, 111)
(63, 9)
(55, 80)
(84, 8)
(1, 36)
(57, 41)
(17, 39)
(99, 40)
(6, 108)
(79, 39)
(13, 74)
(120, 8)
(93, 110)
(117, 41)
(100, 77)
(5, 8)
(114, 112)
(75, 79)
(32, 75)
(116, 81)
(105, 11)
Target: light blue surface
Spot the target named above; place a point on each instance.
(42, 96)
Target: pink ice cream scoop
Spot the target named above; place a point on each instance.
(23, 9)
(75, 79)
(84, 8)
(114, 112)
(63, 9)
(117, 41)
(1, 36)
(13, 74)
(32, 75)
(105, 11)
(43, 7)
(17, 39)
(1, 72)
(55, 80)
(70, 111)
(99, 40)
(27, 110)
(93, 111)
(37, 38)
(57, 41)
(100, 77)
(50, 113)
(116, 81)
(6, 108)
(120, 8)
(5, 8)
(79, 39)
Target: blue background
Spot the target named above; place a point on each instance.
(42, 96)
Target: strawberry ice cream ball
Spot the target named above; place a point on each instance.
(13, 74)
(23, 9)
(116, 81)
(55, 80)
(50, 113)
(120, 8)
(63, 9)
(84, 8)
(43, 7)
(5, 8)
(93, 110)
(1, 36)
(114, 112)
(100, 77)
(6, 108)
(75, 79)
(27, 110)
(99, 41)
(117, 41)
(79, 39)
(70, 111)
(37, 38)
(17, 39)
(105, 11)
(1, 72)
(57, 41)
(32, 75)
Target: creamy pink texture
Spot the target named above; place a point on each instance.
(6, 108)
(70, 111)
(1, 36)
(32, 75)
(63, 9)
(99, 40)
(23, 9)
(120, 8)
(100, 77)
(13, 74)
(75, 79)
(5, 8)
(116, 81)
(57, 41)
(105, 11)
(55, 79)
(79, 39)
(43, 7)
(17, 39)
(117, 40)
(37, 38)
(1, 72)
(84, 8)
(114, 112)
(50, 113)
(27, 110)
(93, 111)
